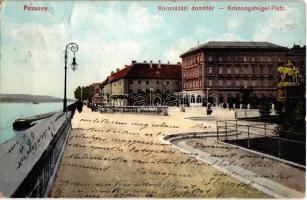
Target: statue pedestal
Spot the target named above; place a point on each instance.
(281, 94)
(287, 92)
(290, 95)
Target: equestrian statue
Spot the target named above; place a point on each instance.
(289, 75)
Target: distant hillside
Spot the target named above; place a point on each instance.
(29, 98)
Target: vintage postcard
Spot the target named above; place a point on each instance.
(153, 99)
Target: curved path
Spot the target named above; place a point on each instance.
(268, 175)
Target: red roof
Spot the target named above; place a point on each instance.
(143, 70)
(104, 82)
(120, 74)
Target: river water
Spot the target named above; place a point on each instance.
(11, 111)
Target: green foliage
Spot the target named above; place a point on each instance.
(278, 130)
(300, 111)
(87, 92)
(278, 106)
(253, 100)
(77, 92)
(265, 106)
(292, 120)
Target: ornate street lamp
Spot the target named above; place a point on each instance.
(73, 48)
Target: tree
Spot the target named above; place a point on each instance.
(77, 93)
(87, 92)
(253, 100)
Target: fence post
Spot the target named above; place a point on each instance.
(264, 130)
(245, 113)
(217, 130)
(226, 130)
(236, 129)
(248, 142)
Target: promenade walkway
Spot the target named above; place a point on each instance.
(269, 175)
(125, 155)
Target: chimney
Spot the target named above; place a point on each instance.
(145, 61)
(168, 62)
(126, 65)
(159, 64)
(150, 64)
(117, 69)
(178, 63)
(133, 62)
(112, 72)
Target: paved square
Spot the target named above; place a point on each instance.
(124, 155)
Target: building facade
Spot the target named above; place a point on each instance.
(219, 71)
(297, 55)
(145, 81)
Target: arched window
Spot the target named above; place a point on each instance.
(192, 98)
(198, 99)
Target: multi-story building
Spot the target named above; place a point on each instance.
(219, 71)
(147, 79)
(297, 55)
(95, 88)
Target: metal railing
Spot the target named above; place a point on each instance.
(261, 137)
(254, 115)
(40, 179)
(240, 129)
(161, 110)
(246, 113)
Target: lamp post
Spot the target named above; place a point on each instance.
(73, 48)
(208, 95)
(150, 91)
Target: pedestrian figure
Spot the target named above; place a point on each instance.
(231, 106)
(182, 109)
(209, 110)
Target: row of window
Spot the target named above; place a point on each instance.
(244, 70)
(223, 98)
(195, 71)
(242, 83)
(244, 65)
(192, 84)
(261, 82)
(147, 91)
(147, 82)
(227, 69)
(119, 83)
(246, 58)
(192, 60)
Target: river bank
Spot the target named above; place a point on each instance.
(11, 111)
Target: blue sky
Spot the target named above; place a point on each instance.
(112, 33)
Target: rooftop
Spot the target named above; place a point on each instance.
(146, 71)
(233, 45)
